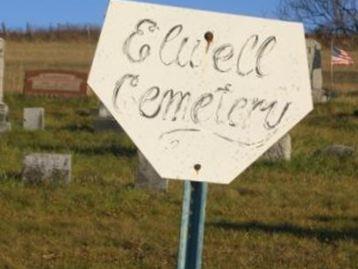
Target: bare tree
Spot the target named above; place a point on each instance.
(330, 16)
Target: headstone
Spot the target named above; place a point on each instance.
(320, 96)
(34, 118)
(314, 49)
(4, 109)
(103, 112)
(147, 177)
(281, 151)
(5, 125)
(55, 83)
(50, 168)
(105, 121)
(2, 67)
(315, 63)
(336, 150)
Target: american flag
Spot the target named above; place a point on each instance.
(340, 57)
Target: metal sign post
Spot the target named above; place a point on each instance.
(197, 87)
(192, 225)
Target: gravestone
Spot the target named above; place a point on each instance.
(281, 151)
(50, 168)
(5, 125)
(314, 49)
(336, 150)
(2, 67)
(34, 118)
(105, 121)
(147, 177)
(103, 112)
(4, 109)
(58, 83)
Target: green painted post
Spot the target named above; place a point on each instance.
(192, 225)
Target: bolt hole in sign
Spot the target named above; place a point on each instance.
(201, 94)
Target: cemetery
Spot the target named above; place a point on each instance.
(83, 153)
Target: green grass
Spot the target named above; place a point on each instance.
(299, 214)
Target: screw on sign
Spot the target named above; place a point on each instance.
(193, 88)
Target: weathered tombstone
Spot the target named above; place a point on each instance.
(34, 118)
(314, 49)
(105, 121)
(2, 67)
(55, 83)
(103, 112)
(336, 150)
(315, 63)
(5, 125)
(281, 151)
(320, 96)
(52, 168)
(147, 177)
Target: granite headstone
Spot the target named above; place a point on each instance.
(2, 67)
(34, 118)
(281, 151)
(4, 109)
(50, 168)
(58, 83)
(314, 49)
(147, 177)
(105, 121)
(336, 150)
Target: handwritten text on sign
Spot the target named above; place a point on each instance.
(201, 94)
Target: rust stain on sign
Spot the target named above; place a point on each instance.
(209, 37)
(197, 168)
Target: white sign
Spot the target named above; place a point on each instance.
(201, 94)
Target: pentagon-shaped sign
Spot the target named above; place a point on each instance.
(201, 94)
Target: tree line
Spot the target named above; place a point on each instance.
(63, 32)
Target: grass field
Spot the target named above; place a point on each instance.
(300, 214)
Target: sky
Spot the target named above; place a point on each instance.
(42, 13)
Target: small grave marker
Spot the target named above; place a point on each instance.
(105, 122)
(201, 94)
(2, 67)
(281, 151)
(314, 51)
(55, 83)
(336, 150)
(34, 118)
(147, 177)
(5, 125)
(53, 168)
(103, 112)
